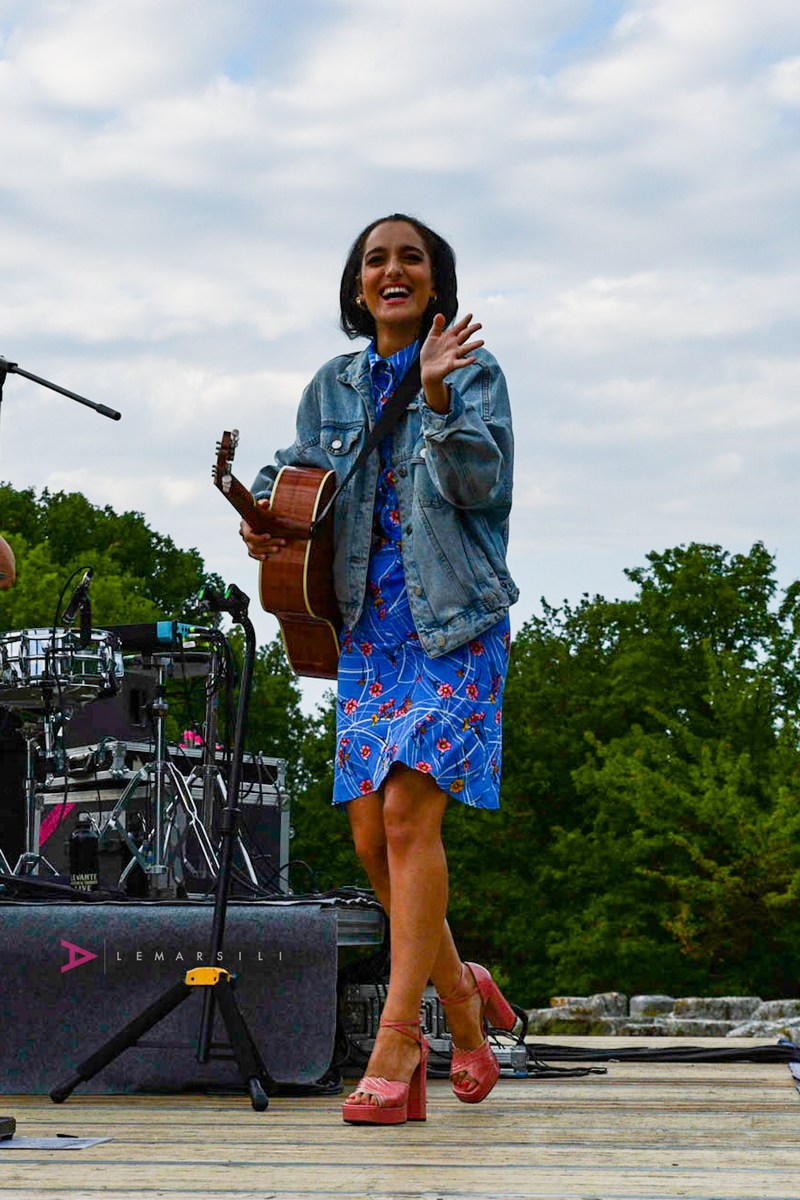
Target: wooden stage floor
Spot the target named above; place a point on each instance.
(716, 1132)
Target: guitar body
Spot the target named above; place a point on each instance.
(296, 584)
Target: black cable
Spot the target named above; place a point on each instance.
(782, 1051)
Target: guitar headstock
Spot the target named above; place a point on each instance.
(226, 449)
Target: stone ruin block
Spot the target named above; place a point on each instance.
(658, 1015)
(651, 1006)
(564, 1020)
(602, 1004)
(678, 1026)
(776, 1010)
(789, 1028)
(740, 1008)
(644, 1027)
(717, 1008)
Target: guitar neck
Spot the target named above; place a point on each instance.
(259, 519)
(245, 504)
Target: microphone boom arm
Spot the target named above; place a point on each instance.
(7, 367)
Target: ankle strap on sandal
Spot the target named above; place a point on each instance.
(465, 988)
(403, 1027)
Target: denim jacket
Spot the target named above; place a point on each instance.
(454, 478)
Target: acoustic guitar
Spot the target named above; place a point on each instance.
(296, 584)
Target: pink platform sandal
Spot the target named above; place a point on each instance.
(480, 1064)
(397, 1102)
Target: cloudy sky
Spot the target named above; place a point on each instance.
(181, 180)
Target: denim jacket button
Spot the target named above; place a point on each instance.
(423, 451)
(441, 640)
(417, 590)
(408, 528)
(402, 472)
(336, 444)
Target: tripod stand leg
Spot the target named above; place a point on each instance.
(126, 1037)
(253, 1073)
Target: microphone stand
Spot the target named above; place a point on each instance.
(86, 623)
(216, 983)
(12, 368)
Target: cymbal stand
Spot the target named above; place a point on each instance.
(209, 770)
(161, 854)
(31, 858)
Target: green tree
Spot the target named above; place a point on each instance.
(140, 575)
(322, 832)
(646, 839)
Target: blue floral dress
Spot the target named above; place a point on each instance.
(441, 716)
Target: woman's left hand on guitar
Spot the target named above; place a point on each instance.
(260, 545)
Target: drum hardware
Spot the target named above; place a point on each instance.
(97, 774)
(41, 666)
(162, 853)
(49, 726)
(190, 664)
(45, 672)
(209, 771)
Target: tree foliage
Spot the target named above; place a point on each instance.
(139, 575)
(322, 840)
(652, 775)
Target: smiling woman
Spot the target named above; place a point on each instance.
(424, 591)
(396, 284)
(357, 318)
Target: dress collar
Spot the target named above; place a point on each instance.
(398, 362)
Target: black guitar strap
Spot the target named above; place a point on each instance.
(393, 411)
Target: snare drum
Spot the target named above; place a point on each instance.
(40, 667)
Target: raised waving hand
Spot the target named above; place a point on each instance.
(446, 350)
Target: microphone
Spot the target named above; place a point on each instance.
(234, 600)
(78, 596)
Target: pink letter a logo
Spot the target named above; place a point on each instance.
(77, 956)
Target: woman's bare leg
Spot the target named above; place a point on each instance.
(398, 839)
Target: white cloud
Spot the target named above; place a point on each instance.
(668, 305)
(182, 179)
(100, 55)
(784, 82)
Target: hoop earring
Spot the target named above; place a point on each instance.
(361, 302)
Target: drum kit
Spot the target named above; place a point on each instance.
(45, 674)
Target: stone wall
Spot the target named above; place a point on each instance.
(667, 1016)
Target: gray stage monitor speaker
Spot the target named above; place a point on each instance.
(74, 974)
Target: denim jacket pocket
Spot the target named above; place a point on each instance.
(340, 440)
(425, 490)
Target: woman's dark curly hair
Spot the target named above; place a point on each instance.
(358, 322)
